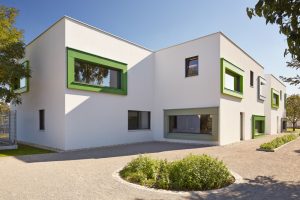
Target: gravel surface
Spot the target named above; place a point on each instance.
(87, 174)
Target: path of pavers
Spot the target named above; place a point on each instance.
(87, 174)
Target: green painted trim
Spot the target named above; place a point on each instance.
(255, 118)
(233, 69)
(71, 84)
(214, 111)
(26, 88)
(274, 104)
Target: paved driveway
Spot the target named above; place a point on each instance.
(88, 174)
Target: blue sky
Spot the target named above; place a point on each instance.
(160, 23)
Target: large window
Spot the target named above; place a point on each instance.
(258, 125)
(232, 78)
(261, 88)
(23, 84)
(196, 124)
(191, 66)
(274, 98)
(138, 120)
(94, 74)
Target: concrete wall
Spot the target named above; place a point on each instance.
(273, 115)
(100, 119)
(47, 61)
(231, 107)
(175, 91)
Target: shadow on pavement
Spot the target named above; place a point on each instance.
(106, 152)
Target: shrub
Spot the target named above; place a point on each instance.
(279, 141)
(195, 172)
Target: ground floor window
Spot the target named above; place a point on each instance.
(196, 124)
(258, 125)
(42, 119)
(138, 120)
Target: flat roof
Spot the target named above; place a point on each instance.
(137, 45)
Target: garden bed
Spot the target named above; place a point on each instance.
(278, 142)
(192, 173)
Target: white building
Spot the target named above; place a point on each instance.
(90, 88)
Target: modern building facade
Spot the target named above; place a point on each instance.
(90, 88)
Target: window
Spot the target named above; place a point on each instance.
(261, 88)
(274, 98)
(258, 125)
(42, 119)
(232, 81)
(191, 66)
(285, 96)
(138, 120)
(195, 124)
(251, 78)
(232, 78)
(95, 74)
(23, 84)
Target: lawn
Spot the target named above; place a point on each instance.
(23, 150)
(291, 130)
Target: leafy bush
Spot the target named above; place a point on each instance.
(195, 172)
(279, 141)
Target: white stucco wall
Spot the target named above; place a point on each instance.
(100, 119)
(46, 57)
(231, 107)
(175, 91)
(274, 115)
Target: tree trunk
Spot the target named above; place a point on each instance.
(294, 126)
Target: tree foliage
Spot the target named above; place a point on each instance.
(286, 14)
(4, 107)
(12, 50)
(293, 109)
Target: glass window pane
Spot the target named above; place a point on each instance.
(132, 120)
(144, 120)
(138, 120)
(22, 82)
(191, 66)
(229, 82)
(94, 74)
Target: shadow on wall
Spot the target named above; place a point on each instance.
(106, 152)
(262, 187)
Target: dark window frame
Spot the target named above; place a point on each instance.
(42, 119)
(187, 65)
(251, 78)
(138, 118)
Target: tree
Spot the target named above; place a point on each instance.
(4, 107)
(12, 50)
(293, 109)
(286, 14)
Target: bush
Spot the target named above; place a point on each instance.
(195, 172)
(279, 141)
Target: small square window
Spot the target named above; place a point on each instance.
(138, 120)
(191, 66)
(42, 119)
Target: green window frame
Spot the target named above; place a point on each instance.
(258, 125)
(274, 94)
(73, 54)
(238, 75)
(17, 88)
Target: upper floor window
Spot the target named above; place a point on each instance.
(191, 66)
(251, 78)
(23, 84)
(232, 78)
(95, 74)
(280, 95)
(261, 88)
(274, 98)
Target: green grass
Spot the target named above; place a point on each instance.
(23, 150)
(290, 130)
(194, 172)
(279, 141)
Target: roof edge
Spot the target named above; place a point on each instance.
(88, 26)
(277, 79)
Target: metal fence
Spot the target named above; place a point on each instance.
(8, 127)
